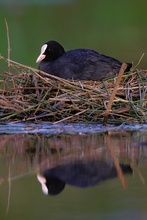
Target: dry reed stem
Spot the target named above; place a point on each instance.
(8, 42)
(69, 117)
(122, 69)
(9, 191)
(116, 162)
(139, 61)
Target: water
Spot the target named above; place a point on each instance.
(68, 128)
(23, 156)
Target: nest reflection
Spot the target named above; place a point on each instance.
(112, 153)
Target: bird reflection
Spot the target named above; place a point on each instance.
(78, 174)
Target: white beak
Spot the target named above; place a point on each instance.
(40, 58)
(42, 55)
(42, 180)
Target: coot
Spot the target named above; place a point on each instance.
(78, 64)
(79, 174)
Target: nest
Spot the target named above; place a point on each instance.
(29, 95)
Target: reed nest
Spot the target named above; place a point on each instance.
(29, 95)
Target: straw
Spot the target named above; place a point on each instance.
(28, 94)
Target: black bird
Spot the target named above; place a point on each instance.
(78, 64)
(78, 174)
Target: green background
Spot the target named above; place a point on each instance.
(115, 28)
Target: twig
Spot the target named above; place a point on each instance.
(139, 61)
(36, 71)
(9, 191)
(116, 162)
(71, 84)
(8, 42)
(69, 117)
(122, 69)
(142, 179)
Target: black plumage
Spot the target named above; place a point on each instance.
(78, 64)
(79, 174)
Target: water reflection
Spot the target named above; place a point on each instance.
(88, 164)
(27, 153)
(78, 173)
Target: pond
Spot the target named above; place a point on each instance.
(99, 175)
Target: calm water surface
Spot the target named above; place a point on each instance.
(88, 166)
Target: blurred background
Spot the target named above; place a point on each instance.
(116, 28)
